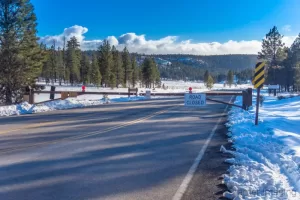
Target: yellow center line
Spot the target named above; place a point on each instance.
(87, 134)
(28, 127)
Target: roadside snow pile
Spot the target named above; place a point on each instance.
(126, 99)
(65, 104)
(266, 163)
(26, 108)
(23, 108)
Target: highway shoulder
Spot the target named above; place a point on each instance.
(206, 183)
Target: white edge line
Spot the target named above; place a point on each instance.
(185, 183)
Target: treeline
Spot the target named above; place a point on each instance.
(193, 67)
(283, 63)
(221, 63)
(105, 67)
(180, 71)
(209, 79)
(244, 75)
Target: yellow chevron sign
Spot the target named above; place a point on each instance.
(259, 77)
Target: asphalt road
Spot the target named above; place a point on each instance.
(135, 151)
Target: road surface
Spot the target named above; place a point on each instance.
(131, 151)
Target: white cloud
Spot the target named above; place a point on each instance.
(288, 40)
(78, 32)
(287, 28)
(166, 45)
(112, 40)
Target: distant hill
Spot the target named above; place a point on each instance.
(192, 67)
(234, 62)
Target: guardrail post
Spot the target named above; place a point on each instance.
(247, 98)
(52, 94)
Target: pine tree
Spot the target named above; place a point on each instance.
(296, 77)
(296, 44)
(293, 63)
(210, 82)
(230, 78)
(50, 67)
(60, 66)
(53, 63)
(73, 60)
(270, 45)
(21, 57)
(66, 74)
(73, 64)
(46, 68)
(150, 72)
(85, 69)
(135, 72)
(95, 75)
(112, 81)
(146, 72)
(206, 75)
(157, 80)
(118, 67)
(105, 62)
(140, 75)
(126, 66)
(283, 70)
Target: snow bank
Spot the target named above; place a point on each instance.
(26, 108)
(266, 163)
(19, 109)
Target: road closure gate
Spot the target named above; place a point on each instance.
(246, 94)
(198, 99)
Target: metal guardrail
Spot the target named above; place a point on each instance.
(210, 93)
(82, 93)
(246, 94)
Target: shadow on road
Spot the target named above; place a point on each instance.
(145, 157)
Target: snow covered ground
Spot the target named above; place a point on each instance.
(26, 108)
(266, 163)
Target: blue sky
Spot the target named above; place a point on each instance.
(195, 20)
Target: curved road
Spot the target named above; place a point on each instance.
(135, 150)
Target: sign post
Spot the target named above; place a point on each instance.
(259, 80)
(257, 106)
(148, 94)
